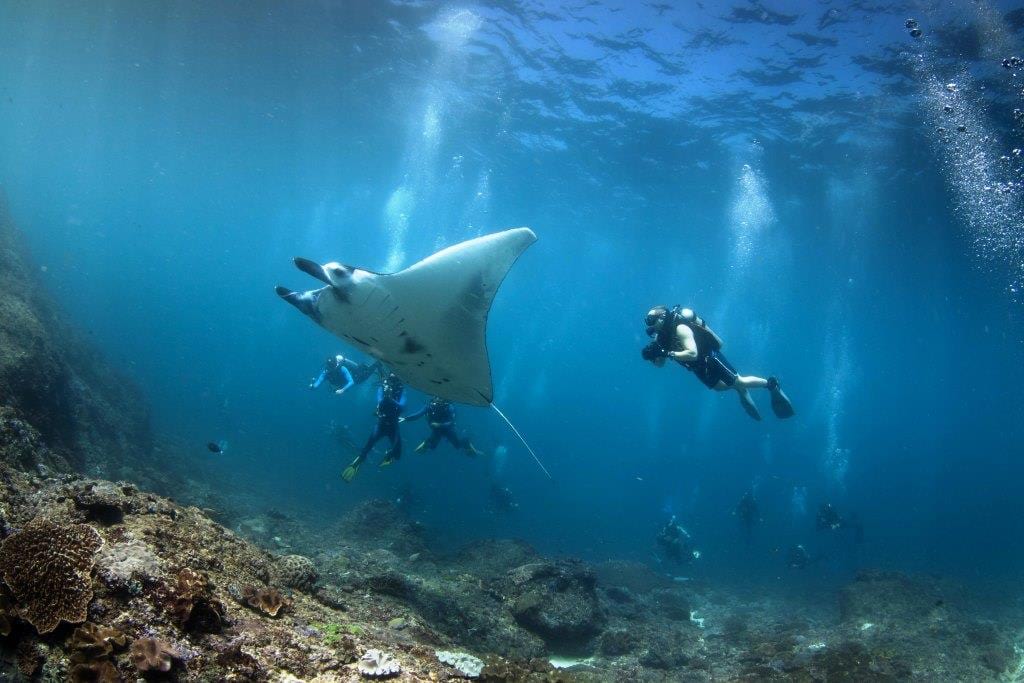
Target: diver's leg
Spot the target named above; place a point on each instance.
(375, 436)
(396, 444)
(751, 382)
(747, 402)
(462, 444)
(429, 443)
(453, 438)
(395, 437)
(350, 472)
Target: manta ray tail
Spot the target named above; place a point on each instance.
(516, 432)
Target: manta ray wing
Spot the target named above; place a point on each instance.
(444, 301)
(427, 322)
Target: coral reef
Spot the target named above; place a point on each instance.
(199, 602)
(466, 664)
(149, 654)
(48, 567)
(378, 664)
(266, 600)
(296, 571)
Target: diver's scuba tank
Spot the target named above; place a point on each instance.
(706, 339)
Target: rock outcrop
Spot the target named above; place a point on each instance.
(88, 415)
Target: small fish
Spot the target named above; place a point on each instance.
(217, 447)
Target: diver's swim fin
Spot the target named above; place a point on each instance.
(749, 406)
(781, 405)
(351, 471)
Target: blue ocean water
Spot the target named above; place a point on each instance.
(795, 172)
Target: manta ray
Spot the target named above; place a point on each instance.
(428, 323)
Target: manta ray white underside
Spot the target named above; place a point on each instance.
(428, 323)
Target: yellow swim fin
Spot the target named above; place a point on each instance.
(351, 471)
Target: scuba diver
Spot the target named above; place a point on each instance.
(441, 416)
(679, 334)
(501, 499)
(674, 542)
(390, 403)
(342, 373)
(798, 557)
(828, 519)
(748, 514)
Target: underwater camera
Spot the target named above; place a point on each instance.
(653, 351)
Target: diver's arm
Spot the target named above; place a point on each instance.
(689, 344)
(415, 416)
(348, 380)
(315, 384)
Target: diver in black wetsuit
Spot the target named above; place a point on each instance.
(674, 542)
(390, 403)
(679, 334)
(441, 417)
(501, 499)
(829, 519)
(748, 514)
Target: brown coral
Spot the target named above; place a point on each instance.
(100, 671)
(48, 567)
(5, 616)
(296, 571)
(29, 657)
(148, 654)
(267, 600)
(192, 603)
(90, 642)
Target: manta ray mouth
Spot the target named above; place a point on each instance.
(304, 301)
(312, 268)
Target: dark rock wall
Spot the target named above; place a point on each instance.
(86, 413)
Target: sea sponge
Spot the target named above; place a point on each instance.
(296, 571)
(267, 600)
(48, 567)
(377, 664)
(149, 654)
(466, 664)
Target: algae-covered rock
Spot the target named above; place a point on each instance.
(876, 596)
(382, 524)
(556, 600)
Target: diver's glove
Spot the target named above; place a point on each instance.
(653, 352)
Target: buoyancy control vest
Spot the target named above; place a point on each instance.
(440, 412)
(669, 340)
